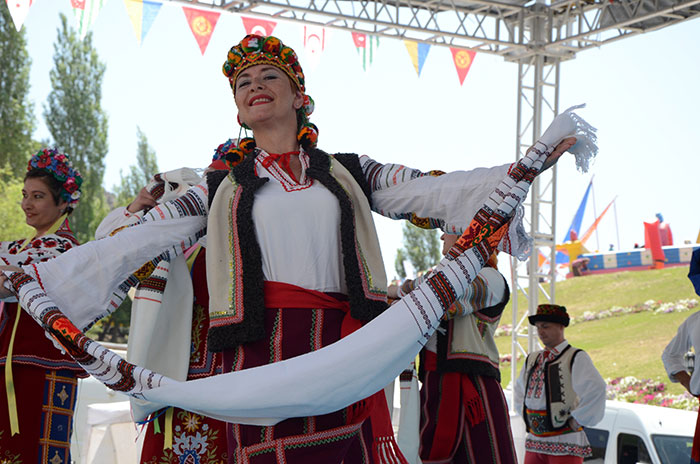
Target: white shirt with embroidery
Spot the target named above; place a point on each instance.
(673, 357)
(297, 227)
(590, 389)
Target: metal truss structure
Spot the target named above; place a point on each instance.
(536, 34)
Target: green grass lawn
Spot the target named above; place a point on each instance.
(626, 345)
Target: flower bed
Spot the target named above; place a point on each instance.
(647, 391)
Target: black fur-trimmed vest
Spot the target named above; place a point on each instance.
(559, 392)
(363, 307)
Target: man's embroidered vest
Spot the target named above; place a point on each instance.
(558, 389)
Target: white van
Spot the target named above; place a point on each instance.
(637, 433)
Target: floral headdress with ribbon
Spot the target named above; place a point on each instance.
(255, 50)
(61, 168)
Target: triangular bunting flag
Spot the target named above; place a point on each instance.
(463, 61)
(258, 26)
(314, 43)
(18, 10)
(418, 52)
(202, 24)
(142, 13)
(362, 41)
(86, 12)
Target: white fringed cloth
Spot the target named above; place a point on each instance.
(316, 383)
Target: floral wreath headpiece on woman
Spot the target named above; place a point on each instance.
(61, 168)
(254, 50)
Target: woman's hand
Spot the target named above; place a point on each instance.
(143, 201)
(4, 292)
(560, 149)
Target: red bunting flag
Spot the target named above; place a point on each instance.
(258, 26)
(202, 24)
(463, 61)
(360, 39)
(367, 53)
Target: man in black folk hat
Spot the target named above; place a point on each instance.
(559, 391)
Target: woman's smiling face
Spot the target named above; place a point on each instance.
(264, 93)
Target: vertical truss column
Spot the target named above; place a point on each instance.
(538, 101)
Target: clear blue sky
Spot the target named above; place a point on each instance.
(641, 92)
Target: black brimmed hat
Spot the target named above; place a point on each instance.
(550, 313)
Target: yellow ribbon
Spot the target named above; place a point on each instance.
(9, 384)
(168, 439)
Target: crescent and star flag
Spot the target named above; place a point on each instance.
(258, 26)
(202, 24)
(314, 43)
(463, 61)
(418, 52)
(86, 12)
(18, 10)
(142, 13)
(361, 41)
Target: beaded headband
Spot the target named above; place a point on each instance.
(255, 50)
(60, 167)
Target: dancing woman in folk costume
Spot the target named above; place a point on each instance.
(37, 382)
(294, 270)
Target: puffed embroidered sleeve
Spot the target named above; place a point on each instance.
(449, 200)
(590, 388)
(673, 356)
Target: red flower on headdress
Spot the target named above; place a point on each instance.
(70, 185)
(44, 160)
(272, 45)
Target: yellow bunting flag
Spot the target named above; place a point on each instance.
(418, 53)
(142, 13)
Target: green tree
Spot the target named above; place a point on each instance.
(139, 174)
(17, 120)
(77, 122)
(421, 247)
(12, 217)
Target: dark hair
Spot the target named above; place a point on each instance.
(53, 184)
